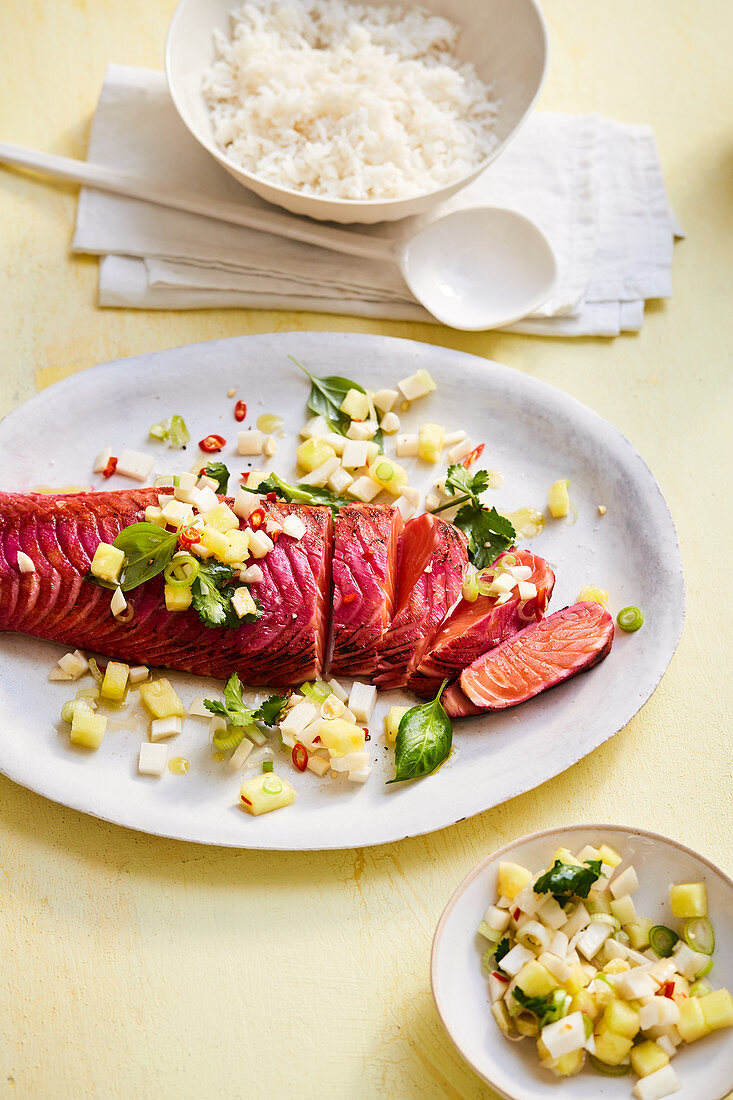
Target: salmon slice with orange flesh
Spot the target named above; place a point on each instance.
(60, 534)
(364, 581)
(537, 658)
(472, 629)
(431, 562)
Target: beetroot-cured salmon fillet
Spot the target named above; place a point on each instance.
(364, 581)
(60, 534)
(431, 562)
(535, 659)
(472, 629)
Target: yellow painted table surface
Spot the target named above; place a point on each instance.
(132, 966)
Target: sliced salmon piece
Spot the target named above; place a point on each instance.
(287, 645)
(472, 629)
(364, 582)
(535, 659)
(431, 562)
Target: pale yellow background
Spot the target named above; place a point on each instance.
(137, 967)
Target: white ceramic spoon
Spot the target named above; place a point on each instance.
(479, 268)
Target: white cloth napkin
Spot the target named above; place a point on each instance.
(593, 185)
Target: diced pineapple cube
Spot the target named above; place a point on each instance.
(260, 544)
(392, 722)
(585, 1002)
(689, 899)
(177, 514)
(160, 728)
(339, 480)
(609, 856)
(692, 1024)
(114, 685)
(243, 603)
(419, 384)
(621, 1018)
(591, 593)
(558, 500)
(638, 933)
(663, 1082)
(384, 400)
(87, 728)
(107, 563)
(717, 1009)
(390, 475)
(567, 1065)
(355, 405)
(362, 430)
(341, 737)
(222, 518)
(565, 856)
(313, 453)
(264, 793)
(623, 909)
(611, 1048)
(238, 549)
(250, 442)
(215, 541)
(430, 442)
(511, 878)
(160, 700)
(177, 599)
(363, 489)
(647, 1057)
(154, 515)
(536, 980)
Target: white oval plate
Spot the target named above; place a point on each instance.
(534, 433)
(705, 1068)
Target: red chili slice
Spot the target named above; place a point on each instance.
(271, 496)
(188, 537)
(349, 597)
(668, 989)
(499, 977)
(517, 914)
(475, 453)
(110, 468)
(300, 756)
(212, 443)
(240, 411)
(256, 518)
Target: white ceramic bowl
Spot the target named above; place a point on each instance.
(705, 1068)
(505, 39)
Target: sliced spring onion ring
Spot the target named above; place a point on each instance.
(705, 970)
(630, 619)
(267, 766)
(178, 433)
(94, 669)
(158, 431)
(317, 692)
(698, 934)
(181, 571)
(229, 738)
(700, 989)
(662, 940)
(272, 785)
(605, 1069)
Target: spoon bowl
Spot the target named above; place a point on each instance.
(480, 268)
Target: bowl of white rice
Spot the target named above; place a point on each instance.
(355, 111)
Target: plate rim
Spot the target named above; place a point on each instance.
(505, 849)
(526, 383)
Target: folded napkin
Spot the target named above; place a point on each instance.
(593, 185)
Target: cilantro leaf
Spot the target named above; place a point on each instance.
(546, 1009)
(566, 880)
(212, 593)
(488, 533)
(502, 949)
(220, 474)
(461, 480)
(300, 494)
(269, 712)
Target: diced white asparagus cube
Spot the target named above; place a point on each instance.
(260, 544)
(352, 761)
(250, 442)
(358, 775)
(338, 691)
(243, 603)
(501, 584)
(197, 708)
(497, 987)
(592, 939)
(496, 918)
(431, 501)
(206, 482)
(118, 603)
(177, 514)
(459, 451)
(321, 474)
(623, 909)
(245, 503)
(294, 527)
(364, 489)
(576, 921)
(451, 438)
(139, 674)
(615, 949)
(216, 725)
(405, 506)
(339, 480)
(361, 701)
(160, 728)
(74, 663)
(559, 944)
(662, 971)
(556, 966)
(552, 914)
(206, 499)
(663, 1082)
(251, 575)
(163, 499)
(625, 883)
(270, 446)
(239, 756)
(406, 446)
(58, 674)
(332, 707)
(515, 959)
(390, 423)
(687, 961)
(318, 764)
(355, 454)
(135, 465)
(384, 400)
(184, 481)
(633, 984)
(416, 385)
(372, 451)
(317, 427)
(527, 900)
(297, 719)
(362, 429)
(527, 590)
(590, 1044)
(152, 759)
(100, 462)
(667, 1045)
(338, 442)
(565, 1035)
(669, 1031)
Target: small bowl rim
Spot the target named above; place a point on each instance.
(355, 204)
(479, 867)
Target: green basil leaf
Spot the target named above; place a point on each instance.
(220, 474)
(488, 533)
(424, 740)
(326, 397)
(566, 880)
(300, 494)
(147, 549)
